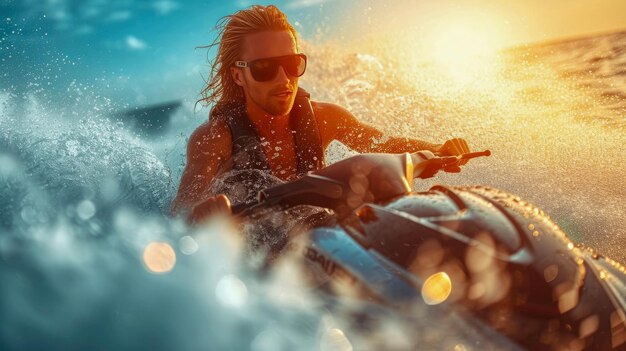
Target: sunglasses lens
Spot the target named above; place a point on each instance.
(264, 70)
(295, 65)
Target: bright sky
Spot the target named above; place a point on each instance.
(509, 23)
(536, 20)
(148, 45)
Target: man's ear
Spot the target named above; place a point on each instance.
(237, 75)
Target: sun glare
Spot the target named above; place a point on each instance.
(458, 44)
(462, 49)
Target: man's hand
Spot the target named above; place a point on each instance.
(454, 147)
(212, 206)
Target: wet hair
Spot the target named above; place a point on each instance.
(231, 30)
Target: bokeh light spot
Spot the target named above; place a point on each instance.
(268, 339)
(335, 339)
(159, 257)
(231, 292)
(188, 245)
(551, 272)
(460, 347)
(86, 209)
(436, 288)
(589, 326)
(8, 165)
(568, 300)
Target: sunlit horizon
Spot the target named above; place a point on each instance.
(503, 25)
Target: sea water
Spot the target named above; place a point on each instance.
(90, 259)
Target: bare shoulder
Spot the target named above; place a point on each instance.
(329, 110)
(333, 121)
(210, 129)
(212, 135)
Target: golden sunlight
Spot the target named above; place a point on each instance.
(464, 49)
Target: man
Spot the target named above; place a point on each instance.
(254, 85)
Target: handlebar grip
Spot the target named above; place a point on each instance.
(242, 207)
(475, 154)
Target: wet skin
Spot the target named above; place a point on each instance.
(268, 105)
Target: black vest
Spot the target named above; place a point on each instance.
(247, 152)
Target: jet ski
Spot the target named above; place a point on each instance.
(472, 248)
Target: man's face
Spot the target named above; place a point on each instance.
(277, 95)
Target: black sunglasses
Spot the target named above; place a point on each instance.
(265, 69)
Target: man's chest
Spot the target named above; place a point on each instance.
(280, 150)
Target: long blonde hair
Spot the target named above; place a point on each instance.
(220, 88)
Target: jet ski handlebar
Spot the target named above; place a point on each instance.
(467, 156)
(380, 176)
(426, 164)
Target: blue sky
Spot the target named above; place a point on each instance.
(134, 50)
(142, 51)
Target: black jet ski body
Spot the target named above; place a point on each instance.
(505, 259)
(476, 248)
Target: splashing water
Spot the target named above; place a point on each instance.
(541, 124)
(90, 262)
(88, 255)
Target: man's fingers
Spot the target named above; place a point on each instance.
(219, 205)
(224, 204)
(215, 205)
(457, 146)
(464, 149)
(461, 145)
(464, 146)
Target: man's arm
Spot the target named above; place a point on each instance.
(337, 123)
(208, 149)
